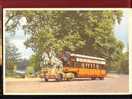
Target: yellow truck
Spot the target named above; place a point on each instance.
(56, 73)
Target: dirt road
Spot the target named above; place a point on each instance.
(111, 84)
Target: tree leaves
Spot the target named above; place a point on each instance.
(83, 32)
(12, 57)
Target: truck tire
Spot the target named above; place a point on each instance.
(59, 77)
(101, 78)
(93, 78)
(46, 79)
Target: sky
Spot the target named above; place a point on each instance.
(120, 30)
(18, 41)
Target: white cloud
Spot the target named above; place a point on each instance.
(25, 53)
(18, 40)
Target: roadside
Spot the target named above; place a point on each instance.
(111, 84)
(37, 79)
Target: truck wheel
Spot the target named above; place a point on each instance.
(93, 78)
(46, 79)
(59, 77)
(101, 78)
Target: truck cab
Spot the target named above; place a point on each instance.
(51, 72)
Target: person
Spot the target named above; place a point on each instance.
(50, 59)
(51, 55)
(65, 57)
(45, 59)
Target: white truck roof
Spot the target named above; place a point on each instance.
(91, 59)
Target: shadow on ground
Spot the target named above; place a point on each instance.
(77, 79)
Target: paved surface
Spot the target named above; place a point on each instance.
(111, 84)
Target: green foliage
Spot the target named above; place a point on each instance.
(122, 64)
(34, 63)
(12, 58)
(30, 70)
(83, 32)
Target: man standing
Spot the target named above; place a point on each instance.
(45, 59)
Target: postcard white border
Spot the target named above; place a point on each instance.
(70, 9)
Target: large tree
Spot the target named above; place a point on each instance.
(84, 32)
(12, 58)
